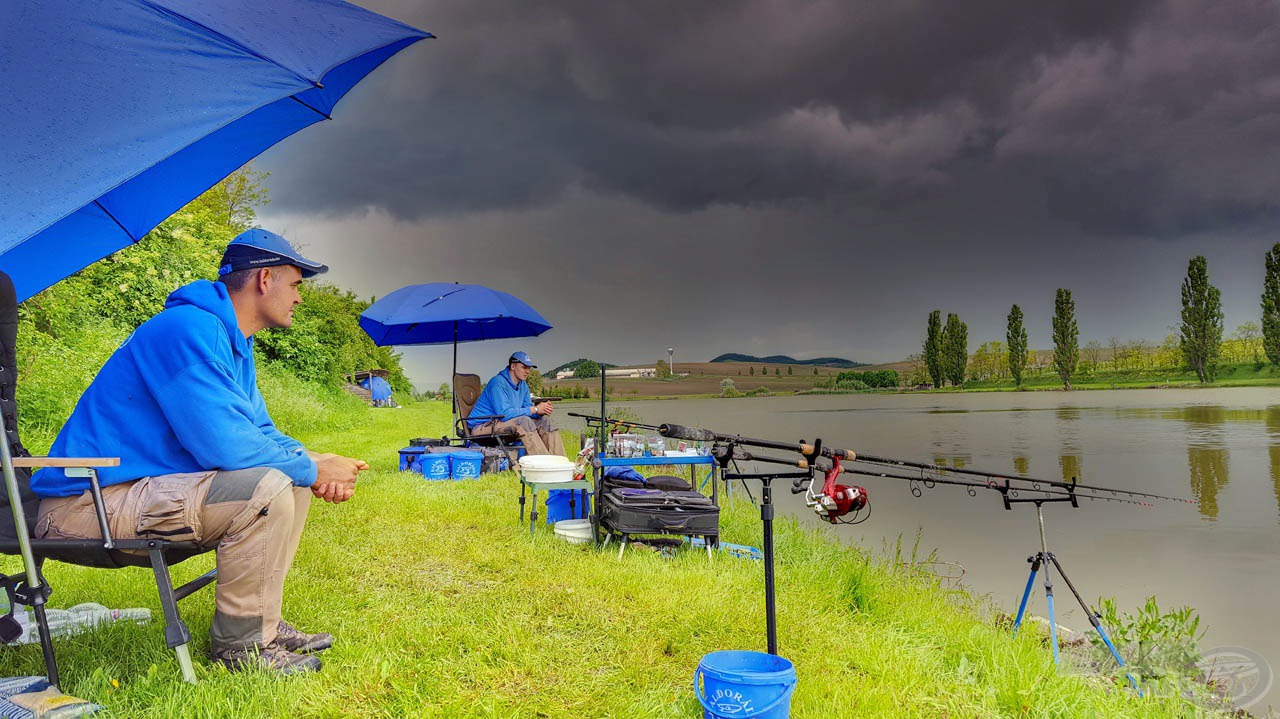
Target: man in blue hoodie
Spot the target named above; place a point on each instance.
(200, 458)
(507, 396)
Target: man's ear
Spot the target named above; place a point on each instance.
(263, 279)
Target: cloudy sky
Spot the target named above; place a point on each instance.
(803, 177)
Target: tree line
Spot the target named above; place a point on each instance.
(1198, 344)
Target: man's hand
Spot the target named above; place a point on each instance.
(544, 408)
(336, 477)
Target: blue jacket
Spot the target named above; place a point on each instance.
(180, 395)
(504, 397)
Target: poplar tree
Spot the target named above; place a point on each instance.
(933, 348)
(1271, 306)
(1201, 328)
(1016, 339)
(1066, 337)
(955, 349)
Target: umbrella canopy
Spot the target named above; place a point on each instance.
(444, 313)
(379, 388)
(116, 113)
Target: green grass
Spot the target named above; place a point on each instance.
(1236, 375)
(443, 605)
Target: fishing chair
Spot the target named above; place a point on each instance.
(466, 392)
(29, 587)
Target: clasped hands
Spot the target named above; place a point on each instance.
(336, 476)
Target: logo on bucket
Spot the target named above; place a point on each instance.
(729, 702)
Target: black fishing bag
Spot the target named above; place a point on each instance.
(665, 482)
(627, 510)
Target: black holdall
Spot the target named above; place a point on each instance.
(630, 510)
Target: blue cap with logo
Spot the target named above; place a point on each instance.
(256, 248)
(524, 359)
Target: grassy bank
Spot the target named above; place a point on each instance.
(444, 606)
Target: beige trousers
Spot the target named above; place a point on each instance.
(252, 517)
(539, 436)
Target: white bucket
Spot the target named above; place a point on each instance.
(537, 468)
(577, 531)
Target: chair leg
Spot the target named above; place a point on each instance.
(35, 598)
(176, 634)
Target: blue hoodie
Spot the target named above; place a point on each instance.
(504, 397)
(180, 395)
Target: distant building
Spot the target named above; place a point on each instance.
(564, 374)
(631, 372)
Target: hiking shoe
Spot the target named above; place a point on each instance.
(272, 657)
(298, 641)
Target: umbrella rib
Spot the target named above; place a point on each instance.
(124, 229)
(230, 41)
(300, 102)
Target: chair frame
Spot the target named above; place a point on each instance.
(508, 441)
(31, 589)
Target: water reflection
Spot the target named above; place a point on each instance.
(1022, 465)
(1273, 447)
(1072, 466)
(1206, 455)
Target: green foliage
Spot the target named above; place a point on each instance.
(886, 378)
(587, 369)
(1271, 306)
(1016, 341)
(443, 392)
(777, 371)
(535, 382)
(760, 391)
(1066, 337)
(1201, 328)
(789, 372)
(1161, 648)
(727, 388)
(751, 371)
(933, 349)
(662, 370)
(955, 349)
(851, 384)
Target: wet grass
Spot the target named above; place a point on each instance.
(444, 606)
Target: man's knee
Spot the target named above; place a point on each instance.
(246, 497)
(523, 425)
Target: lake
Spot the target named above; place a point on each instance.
(1219, 446)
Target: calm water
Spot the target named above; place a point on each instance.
(1221, 447)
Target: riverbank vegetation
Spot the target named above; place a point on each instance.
(444, 605)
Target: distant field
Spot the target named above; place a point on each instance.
(705, 377)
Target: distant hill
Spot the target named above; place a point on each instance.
(573, 364)
(783, 359)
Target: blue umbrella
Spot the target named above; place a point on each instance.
(116, 113)
(442, 313)
(379, 388)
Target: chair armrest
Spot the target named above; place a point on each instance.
(36, 462)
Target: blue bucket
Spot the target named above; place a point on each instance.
(736, 684)
(409, 459)
(465, 465)
(435, 465)
(558, 505)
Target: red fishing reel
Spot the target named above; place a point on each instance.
(836, 501)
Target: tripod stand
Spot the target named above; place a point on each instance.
(1044, 558)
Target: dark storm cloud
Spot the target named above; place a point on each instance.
(1126, 117)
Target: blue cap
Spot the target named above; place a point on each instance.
(256, 248)
(524, 359)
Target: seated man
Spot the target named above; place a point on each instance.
(200, 459)
(507, 395)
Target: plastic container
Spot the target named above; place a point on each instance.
(537, 468)
(410, 458)
(576, 531)
(563, 504)
(465, 464)
(739, 684)
(435, 466)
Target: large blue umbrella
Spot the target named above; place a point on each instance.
(442, 313)
(115, 113)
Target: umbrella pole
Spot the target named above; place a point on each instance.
(452, 377)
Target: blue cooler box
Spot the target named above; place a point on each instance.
(411, 458)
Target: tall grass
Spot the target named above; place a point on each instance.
(444, 605)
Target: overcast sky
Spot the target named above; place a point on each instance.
(809, 178)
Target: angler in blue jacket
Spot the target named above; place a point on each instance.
(507, 396)
(200, 458)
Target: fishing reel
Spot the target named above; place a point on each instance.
(836, 502)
